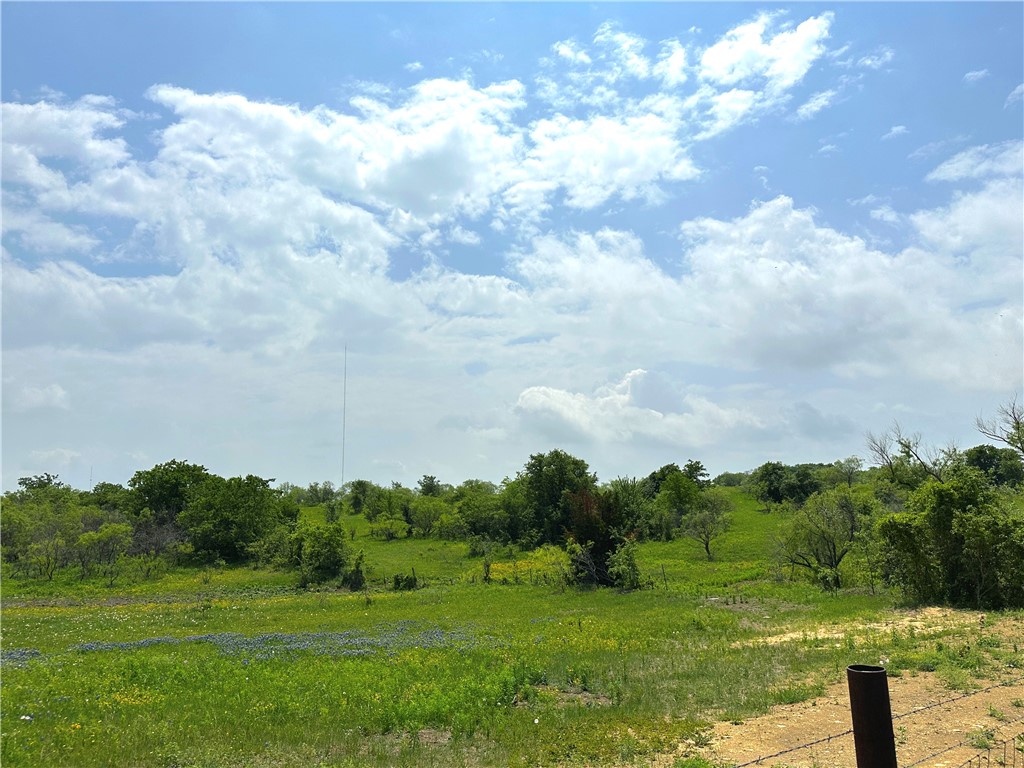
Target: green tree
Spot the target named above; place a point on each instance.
(548, 480)
(709, 518)
(824, 530)
(695, 470)
(677, 498)
(165, 488)
(224, 517)
(425, 512)
(428, 485)
(768, 483)
(1003, 466)
(320, 552)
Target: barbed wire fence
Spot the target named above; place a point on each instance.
(997, 753)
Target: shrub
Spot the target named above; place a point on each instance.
(320, 551)
(622, 566)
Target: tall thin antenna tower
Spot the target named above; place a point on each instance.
(344, 412)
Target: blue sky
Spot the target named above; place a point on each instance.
(642, 233)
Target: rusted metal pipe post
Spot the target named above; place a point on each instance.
(872, 716)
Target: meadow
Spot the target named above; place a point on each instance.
(239, 667)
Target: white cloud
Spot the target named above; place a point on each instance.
(671, 66)
(1004, 159)
(571, 51)
(976, 75)
(751, 51)
(1017, 94)
(885, 213)
(38, 232)
(459, 234)
(896, 130)
(828, 149)
(787, 290)
(55, 457)
(610, 415)
(878, 59)
(815, 104)
(27, 398)
(413, 66)
(728, 110)
(599, 157)
(624, 52)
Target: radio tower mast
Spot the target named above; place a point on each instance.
(344, 411)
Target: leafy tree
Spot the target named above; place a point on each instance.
(846, 470)
(40, 482)
(105, 547)
(360, 492)
(224, 517)
(695, 470)
(429, 486)
(165, 488)
(425, 511)
(731, 479)
(677, 498)
(709, 519)
(320, 551)
(768, 483)
(480, 506)
(1003, 466)
(824, 530)
(652, 483)
(959, 542)
(634, 508)
(548, 480)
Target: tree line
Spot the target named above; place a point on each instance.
(940, 525)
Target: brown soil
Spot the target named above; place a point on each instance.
(928, 727)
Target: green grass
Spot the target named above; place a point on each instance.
(457, 673)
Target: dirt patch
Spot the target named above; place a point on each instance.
(434, 736)
(575, 697)
(931, 730)
(924, 621)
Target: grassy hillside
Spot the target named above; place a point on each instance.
(236, 667)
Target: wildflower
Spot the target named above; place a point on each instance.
(536, 720)
(75, 726)
(26, 717)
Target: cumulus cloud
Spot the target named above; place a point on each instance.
(751, 51)
(896, 130)
(268, 237)
(611, 415)
(413, 66)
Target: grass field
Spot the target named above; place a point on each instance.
(236, 667)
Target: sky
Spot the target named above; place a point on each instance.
(337, 240)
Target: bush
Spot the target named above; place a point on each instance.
(320, 551)
(622, 567)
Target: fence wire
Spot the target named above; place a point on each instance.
(910, 713)
(1008, 758)
(968, 742)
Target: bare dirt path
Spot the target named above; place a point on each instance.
(923, 724)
